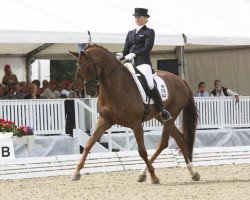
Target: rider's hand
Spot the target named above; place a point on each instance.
(119, 56)
(130, 56)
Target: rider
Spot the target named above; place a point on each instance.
(139, 42)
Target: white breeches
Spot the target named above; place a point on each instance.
(147, 71)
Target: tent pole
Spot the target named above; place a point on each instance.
(29, 58)
(28, 70)
(179, 52)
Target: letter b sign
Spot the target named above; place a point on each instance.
(6, 149)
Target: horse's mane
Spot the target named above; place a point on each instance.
(96, 45)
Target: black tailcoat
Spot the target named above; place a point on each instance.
(140, 43)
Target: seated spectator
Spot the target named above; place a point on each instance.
(78, 89)
(201, 90)
(33, 92)
(24, 87)
(45, 85)
(219, 91)
(10, 92)
(37, 82)
(51, 92)
(59, 87)
(8, 75)
(67, 91)
(17, 93)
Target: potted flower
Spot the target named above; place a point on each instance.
(7, 128)
(24, 131)
(24, 135)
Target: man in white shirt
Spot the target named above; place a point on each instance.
(219, 91)
(51, 92)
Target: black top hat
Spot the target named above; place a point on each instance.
(141, 12)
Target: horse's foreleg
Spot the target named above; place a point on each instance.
(101, 126)
(180, 140)
(138, 131)
(162, 145)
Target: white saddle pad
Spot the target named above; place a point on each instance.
(162, 88)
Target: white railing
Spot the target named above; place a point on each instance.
(86, 116)
(46, 116)
(223, 112)
(214, 113)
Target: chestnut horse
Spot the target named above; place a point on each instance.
(119, 102)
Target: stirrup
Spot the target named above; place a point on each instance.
(165, 115)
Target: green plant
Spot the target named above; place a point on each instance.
(7, 126)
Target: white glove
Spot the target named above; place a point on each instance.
(130, 56)
(119, 56)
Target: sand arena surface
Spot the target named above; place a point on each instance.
(217, 182)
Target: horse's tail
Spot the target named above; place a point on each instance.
(189, 123)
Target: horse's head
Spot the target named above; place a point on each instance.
(90, 71)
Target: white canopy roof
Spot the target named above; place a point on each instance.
(28, 24)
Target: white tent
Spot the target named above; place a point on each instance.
(29, 24)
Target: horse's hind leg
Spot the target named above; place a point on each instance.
(180, 140)
(138, 131)
(101, 126)
(161, 146)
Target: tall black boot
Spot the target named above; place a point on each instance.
(165, 115)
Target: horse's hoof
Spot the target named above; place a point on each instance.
(196, 177)
(75, 177)
(142, 178)
(156, 181)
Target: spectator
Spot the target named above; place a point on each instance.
(59, 87)
(219, 91)
(51, 92)
(67, 91)
(201, 90)
(10, 91)
(45, 84)
(33, 92)
(8, 75)
(38, 83)
(17, 91)
(24, 87)
(2, 93)
(78, 89)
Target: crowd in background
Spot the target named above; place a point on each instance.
(11, 88)
(218, 91)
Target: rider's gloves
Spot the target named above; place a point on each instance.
(130, 56)
(119, 56)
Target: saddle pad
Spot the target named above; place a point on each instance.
(162, 88)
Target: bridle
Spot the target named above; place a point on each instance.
(95, 82)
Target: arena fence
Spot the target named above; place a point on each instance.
(214, 113)
(46, 116)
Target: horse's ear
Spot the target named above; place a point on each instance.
(75, 54)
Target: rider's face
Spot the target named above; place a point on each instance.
(140, 20)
